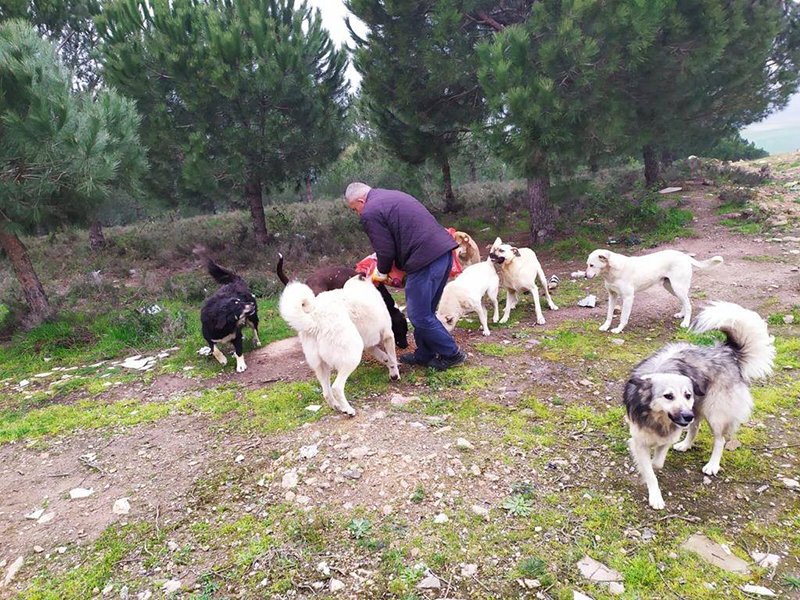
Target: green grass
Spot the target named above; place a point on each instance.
(498, 350)
(744, 227)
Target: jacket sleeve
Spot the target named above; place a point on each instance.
(382, 242)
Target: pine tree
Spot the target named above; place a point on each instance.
(549, 84)
(247, 93)
(715, 67)
(419, 78)
(61, 151)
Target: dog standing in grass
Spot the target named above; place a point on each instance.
(465, 294)
(626, 275)
(226, 312)
(682, 383)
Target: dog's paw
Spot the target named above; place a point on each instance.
(681, 446)
(685, 324)
(541, 321)
(711, 469)
(503, 320)
(241, 368)
(349, 410)
(678, 315)
(617, 329)
(487, 332)
(553, 306)
(656, 501)
(495, 319)
(221, 359)
(604, 326)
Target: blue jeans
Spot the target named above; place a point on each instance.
(423, 291)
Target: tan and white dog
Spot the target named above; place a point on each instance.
(518, 269)
(468, 252)
(626, 275)
(465, 294)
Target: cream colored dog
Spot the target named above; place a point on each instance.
(626, 275)
(467, 251)
(518, 270)
(465, 294)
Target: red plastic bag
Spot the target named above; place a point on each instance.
(397, 278)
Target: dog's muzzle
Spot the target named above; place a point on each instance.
(683, 418)
(496, 259)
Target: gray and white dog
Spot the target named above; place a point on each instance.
(682, 383)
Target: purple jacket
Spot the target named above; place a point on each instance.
(402, 231)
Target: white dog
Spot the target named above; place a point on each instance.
(465, 294)
(518, 270)
(681, 384)
(626, 275)
(334, 329)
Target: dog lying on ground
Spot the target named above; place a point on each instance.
(681, 384)
(226, 312)
(465, 294)
(326, 279)
(626, 275)
(334, 329)
(468, 252)
(518, 269)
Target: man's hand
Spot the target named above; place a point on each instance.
(378, 277)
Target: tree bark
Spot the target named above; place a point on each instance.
(542, 212)
(97, 241)
(252, 193)
(309, 192)
(473, 171)
(28, 280)
(450, 203)
(652, 173)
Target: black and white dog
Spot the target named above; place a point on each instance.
(226, 312)
(682, 383)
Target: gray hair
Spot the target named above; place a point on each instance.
(356, 190)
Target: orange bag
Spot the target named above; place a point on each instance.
(397, 278)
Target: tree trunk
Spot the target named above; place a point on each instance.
(97, 241)
(450, 203)
(309, 193)
(252, 192)
(542, 212)
(651, 167)
(28, 280)
(473, 171)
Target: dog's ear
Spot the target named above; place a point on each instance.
(497, 242)
(700, 381)
(516, 251)
(637, 396)
(603, 257)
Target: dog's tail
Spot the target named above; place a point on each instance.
(704, 264)
(296, 304)
(281, 275)
(220, 274)
(746, 332)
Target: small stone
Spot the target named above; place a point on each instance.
(732, 444)
(464, 444)
(38, 549)
(171, 586)
(123, 593)
(441, 518)
(767, 561)
(616, 588)
(323, 568)
(715, 554)
(532, 584)
(145, 595)
(80, 493)
(309, 451)
(108, 589)
(475, 470)
(589, 302)
(290, 480)
(706, 480)
(792, 484)
(13, 569)
(358, 452)
(121, 507)
(788, 319)
(334, 585)
(576, 595)
(352, 474)
(46, 518)
(469, 570)
(172, 545)
(61, 549)
(313, 407)
(239, 458)
(387, 510)
(431, 582)
(585, 382)
(400, 400)
(758, 590)
(481, 511)
(597, 571)
(34, 516)
(617, 341)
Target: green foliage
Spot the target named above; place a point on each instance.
(359, 528)
(518, 505)
(247, 95)
(735, 147)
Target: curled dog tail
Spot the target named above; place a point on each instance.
(296, 304)
(219, 274)
(281, 275)
(746, 332)
(705, 264)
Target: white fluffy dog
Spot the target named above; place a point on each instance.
(334, 329)
(681, 384)
(626, 275)
(519, 268)
(465, 294)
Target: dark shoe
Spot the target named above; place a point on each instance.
(442, 363)
(411, 359)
